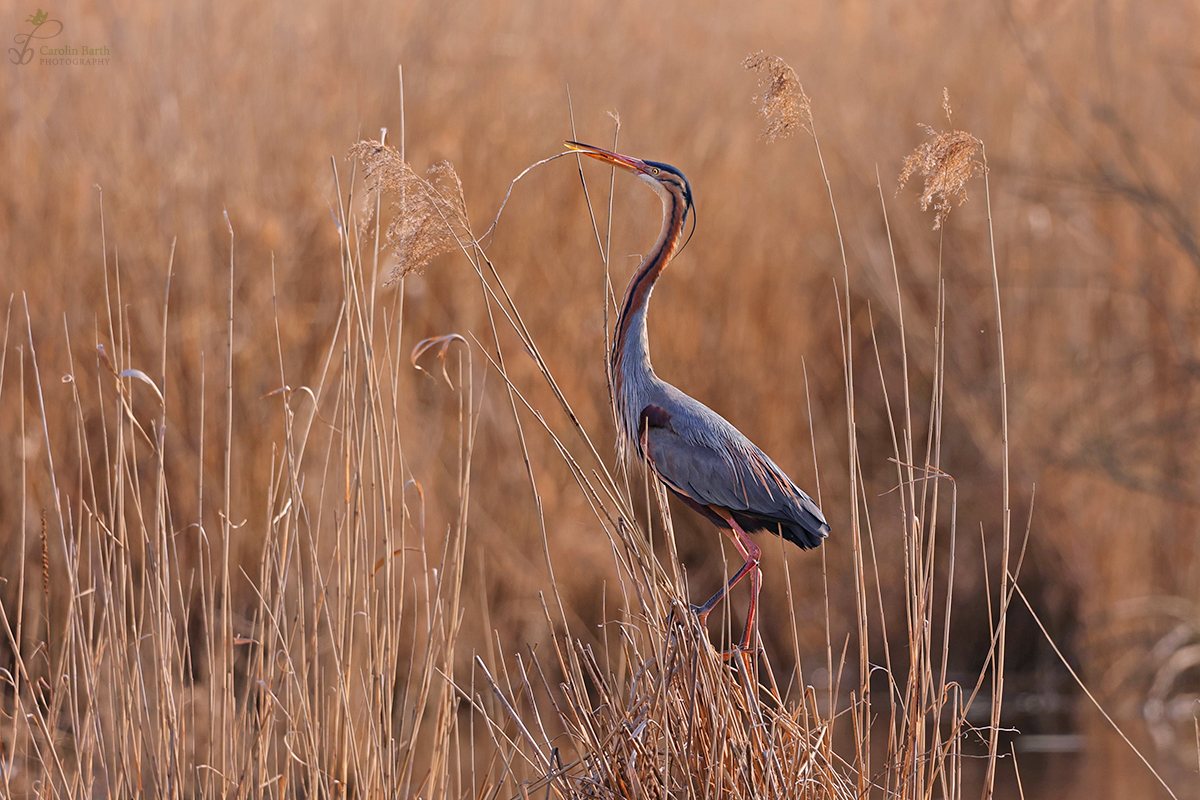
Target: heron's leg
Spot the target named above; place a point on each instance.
(703, 611)
(749, 551)
(752, 554)
(755, 588)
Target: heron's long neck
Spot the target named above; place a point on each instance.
(631, 370)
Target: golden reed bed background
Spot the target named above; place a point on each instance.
(1090, 114)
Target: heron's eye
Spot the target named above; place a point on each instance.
(655, 170)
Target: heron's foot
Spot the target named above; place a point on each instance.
(745, 652)
(676, 614)
(700, 612)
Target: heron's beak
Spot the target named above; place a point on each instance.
(629, 163)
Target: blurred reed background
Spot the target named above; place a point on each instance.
(1090, 113)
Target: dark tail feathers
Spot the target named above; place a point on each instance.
(805, 529)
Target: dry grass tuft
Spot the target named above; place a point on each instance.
(783, 102)
(429, 214)
(947, 162)
(684, 723)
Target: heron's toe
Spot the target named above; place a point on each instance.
(745, 652)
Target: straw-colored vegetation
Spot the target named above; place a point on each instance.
(255, 552)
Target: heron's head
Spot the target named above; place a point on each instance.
(663, 178)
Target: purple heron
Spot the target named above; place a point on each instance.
(693, 450)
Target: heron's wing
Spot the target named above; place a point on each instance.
(699, 470)
(732, 473)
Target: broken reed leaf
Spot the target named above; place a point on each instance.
(783, 102)
(947, 161)
(442, 343)
(429, 215)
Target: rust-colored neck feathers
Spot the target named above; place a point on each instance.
(633, 377)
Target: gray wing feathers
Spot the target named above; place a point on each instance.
(704, 457)
(696, 470)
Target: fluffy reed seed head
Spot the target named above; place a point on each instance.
(947, 161)
(783, 102)
(429, 215)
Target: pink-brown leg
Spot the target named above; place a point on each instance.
(752, 613)
(703, 611)
(751, 552)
